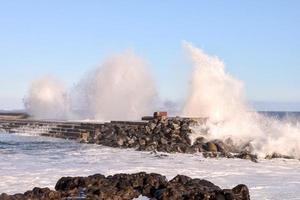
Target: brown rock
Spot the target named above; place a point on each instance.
(211, 147)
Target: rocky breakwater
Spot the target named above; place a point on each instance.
(155, 133)
(164, 134)
(130, 186)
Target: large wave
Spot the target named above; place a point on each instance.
(218, 96)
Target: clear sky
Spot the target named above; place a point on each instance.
(259, 42)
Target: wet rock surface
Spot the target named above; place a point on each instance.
(130, 186)
(277, 155)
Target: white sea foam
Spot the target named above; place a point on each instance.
(217, 95)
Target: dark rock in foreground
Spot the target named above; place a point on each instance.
(130, 186)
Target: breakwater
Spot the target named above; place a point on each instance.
(158, 133)
(152, 133)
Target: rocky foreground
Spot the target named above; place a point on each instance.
(130, 186)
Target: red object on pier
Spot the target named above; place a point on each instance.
(160, 114)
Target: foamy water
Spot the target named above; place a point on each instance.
(28, 161)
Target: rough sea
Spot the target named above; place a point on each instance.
(27, 161)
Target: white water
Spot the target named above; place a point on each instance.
(28, 161)
(121, 88)
(47, 98)
(217, 95)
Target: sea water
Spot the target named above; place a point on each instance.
(27, 161)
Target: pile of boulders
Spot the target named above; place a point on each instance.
(164, 134)
(130, 186)
(155, 133)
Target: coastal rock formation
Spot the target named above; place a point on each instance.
(159, 133)
(164, 135)
(130, 186)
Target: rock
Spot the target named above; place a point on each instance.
(181, 179)
(246, 155)
(84, 137)
(277, 155)
(120, 141)
(221, 146)
(210, 146)
(131, 141)
(185, 127)
(174, 126)
(241, 192)
(142, 142)
(152, 126)
(163, 141)
(129, 186)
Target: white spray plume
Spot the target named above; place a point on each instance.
(47, 99)
(217, 95)
(120, 89)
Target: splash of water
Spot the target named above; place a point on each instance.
(120, 89)
(217, 95)
(47, 99)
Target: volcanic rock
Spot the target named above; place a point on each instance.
(129, 186)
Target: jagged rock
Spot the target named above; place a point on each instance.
(277, 155)
(142, 142)
(210, 146)
(163, 141)
(246, 155)
(241, 192)
(221, 146)
(120, 141)
(129, 186)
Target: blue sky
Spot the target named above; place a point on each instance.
(259, 42)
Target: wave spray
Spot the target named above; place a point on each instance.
(47, 99)
(218, 96)
(120, 89)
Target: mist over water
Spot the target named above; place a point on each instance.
(220, 97)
